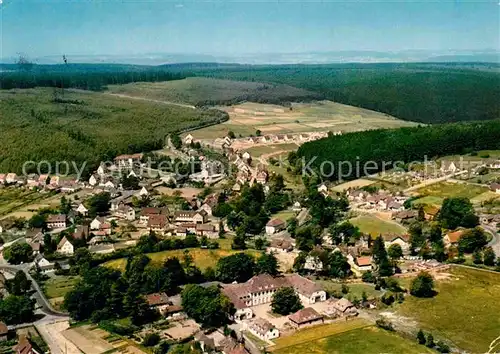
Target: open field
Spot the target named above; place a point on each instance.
(246, 118)
(85, 126)
(203, 258)
(93, 340)
(485, 197)
(465, 310)
(355, 289)
(439, 191)
(362, 340)
(272, 148)
(59, 285)
(317, 332)
(205, 91)
(12, 199)
(375, 226)
(284, 215)
(357, 183)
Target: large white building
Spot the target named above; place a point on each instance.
(261, 288)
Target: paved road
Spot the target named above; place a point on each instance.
(151, 100)
(39, 296)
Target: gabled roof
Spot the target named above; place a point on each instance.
(454, 236)
(363, 261)
(62, 242)
(157, 299)
(56, 218)
(305, 315)
(275, 222)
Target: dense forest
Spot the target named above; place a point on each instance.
(52, 125)
(427, 93)
(82, 76)
(374, 147)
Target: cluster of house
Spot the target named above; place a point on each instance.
(381, 200)
(44, 181)
(285, 138)
(246, 173)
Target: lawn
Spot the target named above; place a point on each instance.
(203, 258)
(447, 190)
(284, 215)
(59, 285)
(370, 224)
(465, 311)
(355, 289)
(272, 148)
(361, 340)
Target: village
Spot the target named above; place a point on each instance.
(121, 203)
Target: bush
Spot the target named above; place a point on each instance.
(442, 347)
(151, 339)
(384, 324)
(422, 285)
(368, 277)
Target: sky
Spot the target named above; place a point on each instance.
(80, 27)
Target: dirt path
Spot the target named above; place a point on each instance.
(151, 100)
(493, 344)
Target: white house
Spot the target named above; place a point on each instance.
(82, 210)
(11, 178)
(96, 223)
(360, 264)
(65, 247)
(93, 181)
(125, 212)
(56, 221)
(274, 225)
(313, 263)
(296, 206)
(143, 192)
(188, 139)
(448, 167)
(263, 329)
(401, 240)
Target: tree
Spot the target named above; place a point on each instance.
(19, 285)
(291, 226)
(285, 301)
(383, 267)
(238, 267)
(151, 339)
(259, 243)
(343, 232)
(435, 233)
(258, 132)
(239, 241)
(489, 256)
(430, 341)
(421, 214)
(19, 252)
(442, 347)
(477, 257)
(17, 309)
(421, 337)
(230, 135)
(422, 285)
(307, 237)
(99, 204)
(457, 212)
(38, 221)
(472, 240)
(130, 182)
(207, 306)
(267, 263)
(395, 252)
(176, 141)
(338, 266)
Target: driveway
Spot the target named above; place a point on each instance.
(495, 241)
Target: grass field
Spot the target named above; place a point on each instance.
(375, 226)
(362, 340)
(14, 198)
(84, 126)
(59, 285)
(269, 149)
(355, 289)
(246, 118)
(316, 333)
(436, 193)
(465, 311)
(203, 258)
(357, 183)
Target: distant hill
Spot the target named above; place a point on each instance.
(201, 91)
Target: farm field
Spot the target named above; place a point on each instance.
(12, 199)
(59, 285)
(203, 258)
(375, 226)
(439, 191)
(362, 340)
(64, 129)
(246, 118)
(357, 183)
(476, 324)
(271, 149)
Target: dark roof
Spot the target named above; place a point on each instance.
(275, 222)
(157, 299)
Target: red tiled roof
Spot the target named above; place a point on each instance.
(305, 315)
(275, 222)
(364, 261)
(157, 299)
